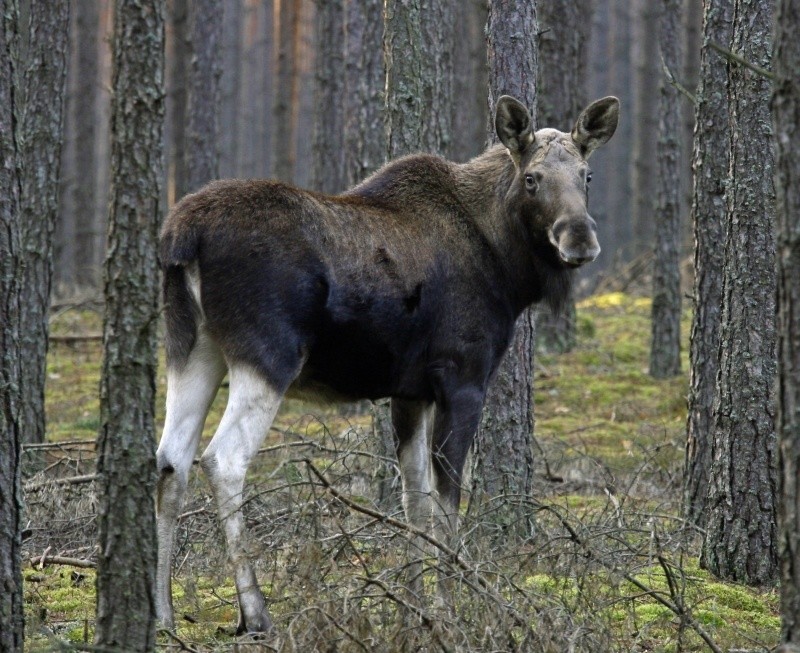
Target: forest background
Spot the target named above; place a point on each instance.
(296, 90)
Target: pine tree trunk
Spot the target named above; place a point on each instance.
(418, 53)
(665, 347)
(11, 398)
(562, 82)
(711, 158)
(647, 72)
(329, 98)
(44, 36)
(230, 81)
(741, 534)
(786, 123)
(126, 454)
(201, 156)
(470, 80)
(285, 91)
(86, 134)
(623, 246)
(502, 453)
(364, 138)
(178, 74)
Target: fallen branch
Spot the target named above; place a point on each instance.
(45, 559)
(69, 480)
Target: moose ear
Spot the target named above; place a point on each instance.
(596, 124)
(512, 122)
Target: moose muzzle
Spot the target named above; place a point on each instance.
(575, 238)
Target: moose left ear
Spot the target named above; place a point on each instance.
(596, 125)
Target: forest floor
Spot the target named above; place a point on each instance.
(604, 562)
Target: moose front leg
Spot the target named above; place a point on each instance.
(457, 418)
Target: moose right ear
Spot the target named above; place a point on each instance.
(512, 122)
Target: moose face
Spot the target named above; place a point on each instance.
(550, 189)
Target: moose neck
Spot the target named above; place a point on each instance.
(526, 263)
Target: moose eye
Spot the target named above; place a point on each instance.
(530, 182)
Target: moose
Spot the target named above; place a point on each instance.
(406, 286)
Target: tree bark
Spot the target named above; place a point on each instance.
(44, 38)
(418, 53)
(86, 133)
(126, 453)
(623, 246)
(741, 536)
(201, 156)
(178, 89)
(503, 454)
(329, 97)
(647, 71)
(665, 347)
(786, 124)
(230, 82)
(364, 137)
(470, 79)
(285, 91)
(11, 398)
(562, 83)
(711, 158)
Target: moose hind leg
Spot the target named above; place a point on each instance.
(252, 405)
(191, 388)
(412, 422)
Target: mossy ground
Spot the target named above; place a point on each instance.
(610, 435)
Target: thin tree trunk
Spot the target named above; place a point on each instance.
(329, 97)
(201, 156)
(86, 132)
(418, 50)
(741, 533)
(265, 70)
(103, 136)
(618, 154)
(503, 451)
(665, 347)
(178, 72)
(364, 138)
(285, 91)
(647, 72)
(44, 38)
(303, 104)
(786, 123)
(11, 398)
(711, 169)
(126, 455)
(230, 81)
(599, 85)
(562, 96)
(470, 79)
